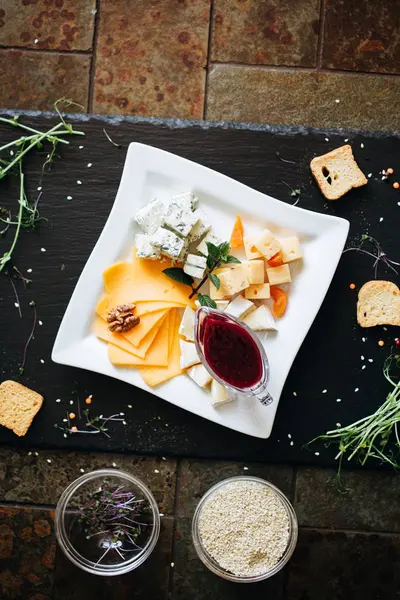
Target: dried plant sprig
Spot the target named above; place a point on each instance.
(28, 341)
(377, 253)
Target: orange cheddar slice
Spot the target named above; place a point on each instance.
(157, 356)
(103, 333)
(146, 325)
(142, 308)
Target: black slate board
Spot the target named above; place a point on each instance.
(330, 356)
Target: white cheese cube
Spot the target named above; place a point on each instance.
(258, 291)
(267, 244)
(277, 275)
(233, 280)
(186, 200)
(202, 226)
(186, 328)
(144, 247)
(219, 394)
(217, 294)
(210, 237)
(180, 221)
(291, 249)
(249, 247)
(200, 375)
(260, 319)
(195, 265)
(255, 270)
(189, 356)
(240, 307)
(151, 216)
(168, 242)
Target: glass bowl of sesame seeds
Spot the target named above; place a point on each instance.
(244, 529)
(107, 522)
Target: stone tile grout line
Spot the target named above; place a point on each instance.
(174, 525)
(92, 71)
(320, 34)
(209, 50)
(47, 51)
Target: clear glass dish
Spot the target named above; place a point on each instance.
(260, 390)
(101, 554)
(212, 564)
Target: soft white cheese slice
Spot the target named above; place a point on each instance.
(151, 217)
(195, 265)
(200, 375)
(186, 200)
(219, 394)
(186, 328)
(189, 354)
(260, 319)
(180, 221)
(240, 307)
(144, 247)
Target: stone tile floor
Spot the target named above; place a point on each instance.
(348, 547)
(309, 62)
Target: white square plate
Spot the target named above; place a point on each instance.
(150, 172)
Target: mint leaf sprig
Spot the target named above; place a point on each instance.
(217, 256)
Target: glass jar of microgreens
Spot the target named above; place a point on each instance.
(107, 522)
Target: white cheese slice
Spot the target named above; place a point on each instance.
(260, 319)
(291, 249)
(278, 275)
(202, 226)
(267, 244)
(151, 217)
(168, 242)
(186, 328)
(249, 247)
(180, 221)
(195, 265)
(210, 237)
(240, 307)
(200, 375)
(260, 291)
(233, 280)
(219, 394)
(186, 200)
(255, 270)
(189, 356)
(144, 247)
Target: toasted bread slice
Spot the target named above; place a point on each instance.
(18, 406)
(337, 172)
(378, 304)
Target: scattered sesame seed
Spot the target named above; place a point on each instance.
(114, 465)
(369, 175)
(79, 182)
(124, 423)
(69, 197)
(363, 367)
(16, 304)
(357, 390)
(383, 177)
(36, 453)
(370, 360)
(161, 514)
(42, 361)
(337, 100)
(49, 460)
(82, 470)
(361, 145)
(39, 188)
(122, 414)
(291, 443)
(289, 436)
(80, 147)
(163, 458)
(40, 322)
(65, 420)
(11, 152)
(65, 435)
(346, 140)
(294, 393)
(364, 339)
(71, 402)
(316, 453)
(42, 249)
(156, 471)
(35, 41)
(380, 220)
(29, 270)
(327, 139)
(338, 399)
(398, 204)
(172, 564)
(89, 165)
(245, 468)
(338, 424)
(362, 357)
(129, 405)
(58, 400)
(29, 453)
(324, 391)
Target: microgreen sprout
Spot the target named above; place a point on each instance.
(376, 252)
(110, 140)
(91, 425)
(22, 367)
(294, 193)
(369, 437)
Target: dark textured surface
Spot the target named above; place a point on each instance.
(344, 565)
(366, 501)
(154, 426)
(266, 33)
(27, 552)
(362, 35)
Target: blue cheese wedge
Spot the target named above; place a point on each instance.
(186, 328)
(200, 375)
(240, 307)
(195, 266)
(144, 247)
(260, 319)
(151, 217)
(189, 356)
(180, 221)
(219, 394)
(168, 242)
(210, 237)
(202, 226)
(185, 200)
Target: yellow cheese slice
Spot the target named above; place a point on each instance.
(142, 281)
(101, 330)
(142, 308)
(154, 376)
(173, 315)
(157, 356)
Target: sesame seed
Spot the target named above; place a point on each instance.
(65, 420)
(89, 165)
(316, 453)
(369, 175)
(364, 367)
(42, 249)
(294, 393)
(245, 468)
(69, 197)
(35, 41)
(39, 188)
(324, 391)
(161, 514)
(163, 458)
(114, 465)
(156, 471)
(82, 470)
(337, 100)
(289, 436)
(361, 145)
(370, 360)
(122, 414)
(11, 152)
(29, 453)
(58, 400)
(380, 220)
(40, 322)
(346, 140)
(42, 361)
(362, 357)
(36, 453)
(357, 390)
(172, 565)
(65, 435)
(80, 147)
(129, 405)
(327, 139)
(49, 460)
(123, 422)
(29, 270)
(71, 402)
(291, 443)
(79, 182)
(338, 399)
(16, 304)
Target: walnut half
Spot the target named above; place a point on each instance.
(122, 319)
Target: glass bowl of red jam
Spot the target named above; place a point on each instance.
(232, 353)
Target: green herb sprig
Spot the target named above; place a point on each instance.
(28, 214)
(369, 437)
(217, 256)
